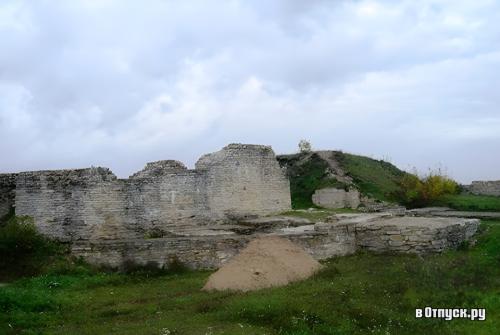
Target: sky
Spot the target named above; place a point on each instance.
(119, 83)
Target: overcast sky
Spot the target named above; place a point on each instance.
(119, 83)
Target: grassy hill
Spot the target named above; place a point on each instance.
(375, 178)
(309, 171)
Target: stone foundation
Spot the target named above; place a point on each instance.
(415, 235)
(336, 198)
(205, 252)
(343, 236)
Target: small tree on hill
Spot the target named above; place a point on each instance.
(305, 146)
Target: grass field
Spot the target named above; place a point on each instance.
(358, 294)
(469, 202)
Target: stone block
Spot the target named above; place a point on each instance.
(336, 198)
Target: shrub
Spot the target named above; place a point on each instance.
(418, 192)
(23, 251)
(154, 233)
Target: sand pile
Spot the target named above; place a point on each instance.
(265, 262)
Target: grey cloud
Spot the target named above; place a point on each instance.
(118, 83)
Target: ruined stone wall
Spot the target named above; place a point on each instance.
(245, 180)
(414, 235)
(170, 204)
(206, 252)
(485, 187)
(7, 193)
(322, 240)
(198, 252)
(74, 204)
(164, 199)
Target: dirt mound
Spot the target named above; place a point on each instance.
(265, 262)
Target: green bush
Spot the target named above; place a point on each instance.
(23, 251)
(418, 192)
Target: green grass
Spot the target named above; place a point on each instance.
(359, 294)
(375, 178)
(470, 202)
(306, 176)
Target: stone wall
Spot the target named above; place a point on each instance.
(245, 180)
(164, 199)
(207, 252)
(74, 204)
(485, 187)
(336, 198)
(414, 235)
(7, 193)
(322, 240)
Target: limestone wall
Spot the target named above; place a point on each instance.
(336, 198)
(205, 252)
(170, 204)
(164, 199)
(485, 187)
(322, 240)
(74, 204)
(414, 235)
(245, 180)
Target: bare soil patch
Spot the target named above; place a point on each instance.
(265, 262)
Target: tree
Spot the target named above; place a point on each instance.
(305, 146)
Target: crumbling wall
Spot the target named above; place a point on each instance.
(245, 180)
(207, 251)
(159, 168)
(414, 235)
(74, 204)
(322, 240)
(169, 204)
(7, 193)
(485, 187)
(164, 199)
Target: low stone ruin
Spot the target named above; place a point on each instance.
(336, 198)
(490, 187)
(338, 235)
(448, 212)
(417, 235)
